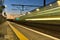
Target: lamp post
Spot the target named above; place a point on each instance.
(23, 6)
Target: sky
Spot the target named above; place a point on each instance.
(9, 7)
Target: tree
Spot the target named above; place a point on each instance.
(1, 8)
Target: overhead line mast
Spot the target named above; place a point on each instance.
(44, 2)
(25, 5)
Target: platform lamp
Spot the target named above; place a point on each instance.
(58, 1)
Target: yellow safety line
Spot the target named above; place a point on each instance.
(18, 33)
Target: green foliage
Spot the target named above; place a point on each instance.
(1, 8)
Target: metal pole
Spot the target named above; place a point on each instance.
(44, 2)
(22, 9)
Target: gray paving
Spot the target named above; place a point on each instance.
(6, 33)
(31, 35)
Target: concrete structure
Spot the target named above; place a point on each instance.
(53, 5)
(49, 6)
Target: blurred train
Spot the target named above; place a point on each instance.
(47, 19)
(51, 15)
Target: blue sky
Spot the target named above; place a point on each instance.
(24, 2)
